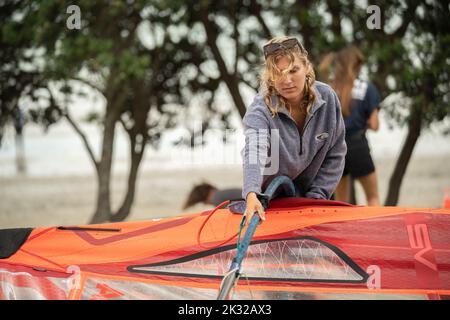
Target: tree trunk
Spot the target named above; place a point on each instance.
(233, 87)
(125, 208)
(414, 128)
(255, 9)
(21, 166)
(137, 135)
(231, 80)
(103, 209)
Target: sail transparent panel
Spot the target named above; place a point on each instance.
(287, 260)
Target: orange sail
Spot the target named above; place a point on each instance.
(306, 249)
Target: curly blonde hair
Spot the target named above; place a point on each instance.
(271, 73)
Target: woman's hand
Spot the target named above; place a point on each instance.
(253, 204)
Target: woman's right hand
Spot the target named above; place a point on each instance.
(254, 205)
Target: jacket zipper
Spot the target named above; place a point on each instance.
(303, 131)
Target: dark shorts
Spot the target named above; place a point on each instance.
(358, 161)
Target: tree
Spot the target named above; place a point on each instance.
(112, 59)
(15, 80)
(135, 79)
(420, 72)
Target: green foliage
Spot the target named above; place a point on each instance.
(109, 46)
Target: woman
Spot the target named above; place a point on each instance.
(360, 103)
(296, 123)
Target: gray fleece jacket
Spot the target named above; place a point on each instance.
(314, 158)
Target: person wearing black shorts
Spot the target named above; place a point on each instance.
(360, 102)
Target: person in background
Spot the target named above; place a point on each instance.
(209, 194)
(360, 101)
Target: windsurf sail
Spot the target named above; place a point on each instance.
(306, 249)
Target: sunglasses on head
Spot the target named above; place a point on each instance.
(272, 48)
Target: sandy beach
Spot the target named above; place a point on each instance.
(70, 200)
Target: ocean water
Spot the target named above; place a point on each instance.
(61, 152)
